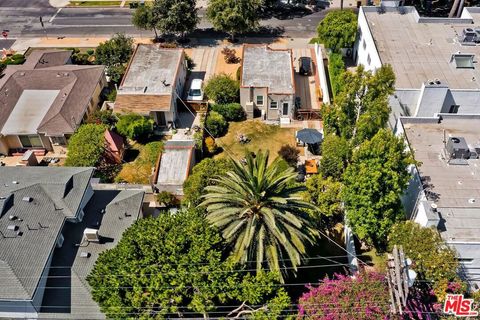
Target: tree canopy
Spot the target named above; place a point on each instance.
(338, 29)
(361, 107)
(325, 194)
(143, 17)
(201, 177)
(171, 266)
(114, 54)
(260, 213)
(336, 152)
(234, 16)
(433, 259)
(362, 297)
(373, 183)
(134, 126)
(175, 16)
(86, 146)
(222, 89)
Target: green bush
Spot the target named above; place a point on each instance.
(151, 152)
(338, 29)
(14, 59)
(90, 52)
(134, 126)
(81, 59)
(166, 198)
(336, 68)
(112, 95)
(86, 146)
(222, 89)
(216, 124)
(230, 111)
(102, 117)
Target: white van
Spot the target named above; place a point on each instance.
(195, 93)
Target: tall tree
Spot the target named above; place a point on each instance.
(144, 18)
(325, 194)
(336, 152)
(260, 213)
(175, 16)
(234, 16)
(361, 108)
(172, 266)
(338, 29)
(114, 55)
(373, 183)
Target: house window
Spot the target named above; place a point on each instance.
(453, 108)
(465, 260)
(369, 60)
(274, 105)
(260, 100)
(31, 141)
(58, 141)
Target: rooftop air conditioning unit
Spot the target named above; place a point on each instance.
(91, 235)
(457, 148)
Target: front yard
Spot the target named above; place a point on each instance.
(262, 137)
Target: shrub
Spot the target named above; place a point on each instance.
(90, 52)
(216, 124)
(230, 111)
(190, 63)
(86, 146)
(81, 59)
(167, 198)
(134, 126)
(336, 68)
(338, 29)
(211, 145)
(222, 89)
(230, 55)
(74, 50)
(112, 95)
(102, 117)
(14, 59)
(289, 154)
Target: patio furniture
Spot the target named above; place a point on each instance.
(311, 167)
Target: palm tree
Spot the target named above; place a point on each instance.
(260, 214)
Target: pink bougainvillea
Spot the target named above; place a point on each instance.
(362, 297)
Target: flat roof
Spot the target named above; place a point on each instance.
(421, 50)
(29, 111)
(450, 186)
(152, 70)
(268, 68)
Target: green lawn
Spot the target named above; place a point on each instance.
(262, 137)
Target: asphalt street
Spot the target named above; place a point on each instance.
(22, 19)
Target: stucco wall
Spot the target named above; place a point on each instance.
(365, 51)
(270, 114)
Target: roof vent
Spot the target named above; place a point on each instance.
(437, 82)
(91, 235)
(27, 199)
(15, 182)
(12, 227)
(12, 218)
(434, 207)
(471, 200)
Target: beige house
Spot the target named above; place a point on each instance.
(152, 84)
(267, 85)
(44, 101)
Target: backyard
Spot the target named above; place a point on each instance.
(261, 137)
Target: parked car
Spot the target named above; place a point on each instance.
(305, 66)
(195, 93)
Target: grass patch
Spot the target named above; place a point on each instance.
(378, 261)
(262, 137)
(143, 159)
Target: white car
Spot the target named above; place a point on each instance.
(195, 93)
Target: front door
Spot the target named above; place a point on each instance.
(161, 121)
(285, 108)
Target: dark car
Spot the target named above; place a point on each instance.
(305, 66)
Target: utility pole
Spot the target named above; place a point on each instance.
(399, 279)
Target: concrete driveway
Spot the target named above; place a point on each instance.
(305, 86)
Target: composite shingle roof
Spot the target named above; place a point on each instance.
(75, 85)
(37, 201)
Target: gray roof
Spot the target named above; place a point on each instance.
(268, 68)
(174, 166)
(451, 187)
(56, 194)
(420, 49)
(75, 85)
(68, 294)
(149, 67)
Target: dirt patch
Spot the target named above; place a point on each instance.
(228, 68)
